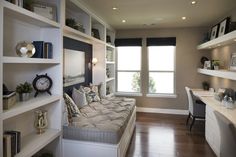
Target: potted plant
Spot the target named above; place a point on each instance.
(24, 91)
(205, 85)
(216, 64)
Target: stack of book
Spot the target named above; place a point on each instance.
(11, 143)
(43, 49)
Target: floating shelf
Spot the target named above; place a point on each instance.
(110, 46)
(110, 79)
(21, 107)
(219, 73)
(34, 142)
(29, 60)
(220, 41)
(27, 16)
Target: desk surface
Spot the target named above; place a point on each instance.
(208, 98)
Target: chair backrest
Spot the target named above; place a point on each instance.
(190, 99)
(228, 136)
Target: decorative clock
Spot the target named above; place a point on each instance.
(42, 83)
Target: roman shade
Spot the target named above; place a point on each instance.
(128, 42)
(163, 41)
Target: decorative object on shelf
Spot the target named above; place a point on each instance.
(216, 64)
(232, 26)
(108, 73)
(9, 98)
(28, 4)
(94, 61)
(214, 31)
(43, 49)
(224, 27)
(16, 2)
(207, 65)
(233, 62)
(95, 33)
(25, 49)
(71, 22)
(44, 9)
(42, 83)
(48, 49)
(12, 142)
(203, 59)
(40, 121)
(108, 39)
(24, 91)
(205, 85)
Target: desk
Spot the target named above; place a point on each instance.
(212, 131)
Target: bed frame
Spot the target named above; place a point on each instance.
(76, 148)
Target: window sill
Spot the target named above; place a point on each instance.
(162, 95)
(128, 94)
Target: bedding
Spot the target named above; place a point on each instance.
(103, 121)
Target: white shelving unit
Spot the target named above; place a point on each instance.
(220, 41)
(219, 73)
(16, 25)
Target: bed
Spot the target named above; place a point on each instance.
(104, 130)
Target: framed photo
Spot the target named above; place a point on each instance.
(44, 9)
(214, 32)
(233, 62)
(224, 27)
(207, 65)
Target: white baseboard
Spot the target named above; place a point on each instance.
(160, 110)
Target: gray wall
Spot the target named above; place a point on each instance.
(187, 62)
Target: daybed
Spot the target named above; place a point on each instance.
(104, 129)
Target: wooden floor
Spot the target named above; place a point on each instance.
(161, 135)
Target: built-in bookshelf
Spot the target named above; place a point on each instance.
(18, 24)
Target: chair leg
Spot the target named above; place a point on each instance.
(192, 124)
(188, 119)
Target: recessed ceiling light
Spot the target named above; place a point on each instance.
(114, 8)
(123, 21)
(183, 18)
(194, 2)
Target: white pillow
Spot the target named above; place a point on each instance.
(79, 98)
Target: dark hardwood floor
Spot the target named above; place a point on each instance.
(162, 135)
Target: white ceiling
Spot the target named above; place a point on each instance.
(160, 13)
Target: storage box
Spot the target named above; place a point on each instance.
(9, 101)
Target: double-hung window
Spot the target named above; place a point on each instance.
(128, 68)
(161, 65)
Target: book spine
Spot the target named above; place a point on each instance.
(15, 141)
(39, 47)
(6, 145)
(48, 50)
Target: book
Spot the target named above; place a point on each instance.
(6, 145)
(15, 141)
(39, 47)
(48, 49)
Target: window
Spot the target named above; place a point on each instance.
(128, 65)
(161, 65)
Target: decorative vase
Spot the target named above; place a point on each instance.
(24, 49)
(216, 67)
(24, 96)
(40, 122)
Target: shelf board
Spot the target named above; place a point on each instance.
(110, 62)
(27, 16)
(110, 79)
(110, 46)
(33, 103)
(219, 73)
(34, 142)
(29, 60)
(220, 41)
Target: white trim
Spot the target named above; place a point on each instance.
(162, 95)
(160, 110)
(128, 94)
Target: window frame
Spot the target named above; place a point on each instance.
(162, 95)
(123, 93)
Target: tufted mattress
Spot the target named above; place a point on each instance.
(103, 121)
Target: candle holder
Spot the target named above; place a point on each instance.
(40, 122)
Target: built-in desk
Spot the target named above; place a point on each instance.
(212, 132)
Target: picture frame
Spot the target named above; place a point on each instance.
(224, 27)
(214, 32)
(233, 62)
(207, 65)
(46, 10)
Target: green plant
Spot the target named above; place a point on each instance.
(205, 85)
(216, 63)
(24, 88)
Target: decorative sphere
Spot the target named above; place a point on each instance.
(24, 49)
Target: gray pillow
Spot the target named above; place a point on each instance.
(79, 98)
(72, 109)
